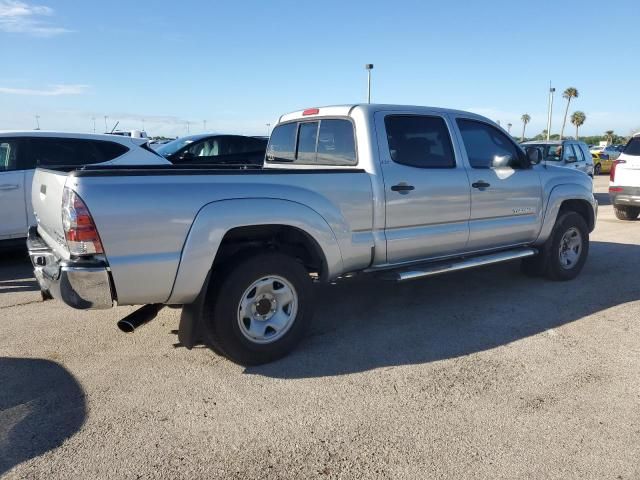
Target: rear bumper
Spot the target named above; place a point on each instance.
(82, 284)
(625, 196)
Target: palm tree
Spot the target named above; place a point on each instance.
(569, 93)
(578, 118)
(609, 134)
(525, 119)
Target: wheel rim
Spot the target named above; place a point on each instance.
(267, 309)
(570, 248)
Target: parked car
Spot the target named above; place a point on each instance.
(624, 181)
(400, 191)
(22, 152)
(215, 149)
(565, 153)
(610, 152)
(601, 163)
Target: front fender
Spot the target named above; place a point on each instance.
(558, 195)
(215, 219)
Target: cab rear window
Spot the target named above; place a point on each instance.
(633, 147)
(319, 142)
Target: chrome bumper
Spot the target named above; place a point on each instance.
(82, 284)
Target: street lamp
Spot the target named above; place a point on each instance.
(550, 109)
(268, 125)
(368, 67)
(204, 125)
(94, 124)
(106, 129)
(37, 122)
(509, 128)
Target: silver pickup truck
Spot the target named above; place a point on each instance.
(400, 191)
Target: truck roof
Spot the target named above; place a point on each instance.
(345, 110)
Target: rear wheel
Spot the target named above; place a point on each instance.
(597, 169)
(563, 255)
(626, 213)
(257, 310)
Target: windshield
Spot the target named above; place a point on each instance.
(175, 145)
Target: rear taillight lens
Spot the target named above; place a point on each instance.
(79, 230)
(612, 174)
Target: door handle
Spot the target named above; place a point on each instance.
(9, 186)
(403, 188)
(480, 184)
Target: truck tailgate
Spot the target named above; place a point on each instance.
(46, 198)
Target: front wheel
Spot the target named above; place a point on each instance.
(626, 213)
(564, 254)
(257, 310)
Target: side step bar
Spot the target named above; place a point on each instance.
(436, 268)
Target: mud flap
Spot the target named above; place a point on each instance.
(190, 327)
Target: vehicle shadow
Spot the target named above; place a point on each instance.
(41, 405)
(369, 324)
(603, 199)
(16, 272)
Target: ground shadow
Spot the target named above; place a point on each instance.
(16, 272)
(41, 405)
(603, 199)
(369, 324)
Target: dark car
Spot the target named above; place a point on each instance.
(215, 149)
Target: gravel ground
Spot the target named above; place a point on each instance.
(479, 374)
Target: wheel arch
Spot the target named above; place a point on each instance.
(221, 227)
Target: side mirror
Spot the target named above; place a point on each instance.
(534, 155)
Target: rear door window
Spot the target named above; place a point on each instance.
(51, 152)
(568, 154)
(633, 147)
(579, 153)
(419, 141)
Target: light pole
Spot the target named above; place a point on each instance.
(143, 124)
(94, 124)
(188, 127)
(268, 125)
(551, 91)
(106, 129)
(509, 128)
(37, 122)
(204, 125)
(369, 67)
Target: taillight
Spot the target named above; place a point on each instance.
(311, 111)
(612, 174)
(79, 230)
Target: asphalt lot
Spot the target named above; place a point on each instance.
(479, 374)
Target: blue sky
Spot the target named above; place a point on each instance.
(240, 64)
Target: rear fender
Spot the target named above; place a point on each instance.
(214, 220)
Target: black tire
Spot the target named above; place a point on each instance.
(222, 304)
(547, 263)
(597, 169)
(626, 213)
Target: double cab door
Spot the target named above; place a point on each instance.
(443, 195)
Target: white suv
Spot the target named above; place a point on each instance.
(22, 152)
(624, 181)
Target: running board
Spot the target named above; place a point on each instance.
(436, 268)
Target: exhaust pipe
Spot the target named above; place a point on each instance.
(138, 318)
